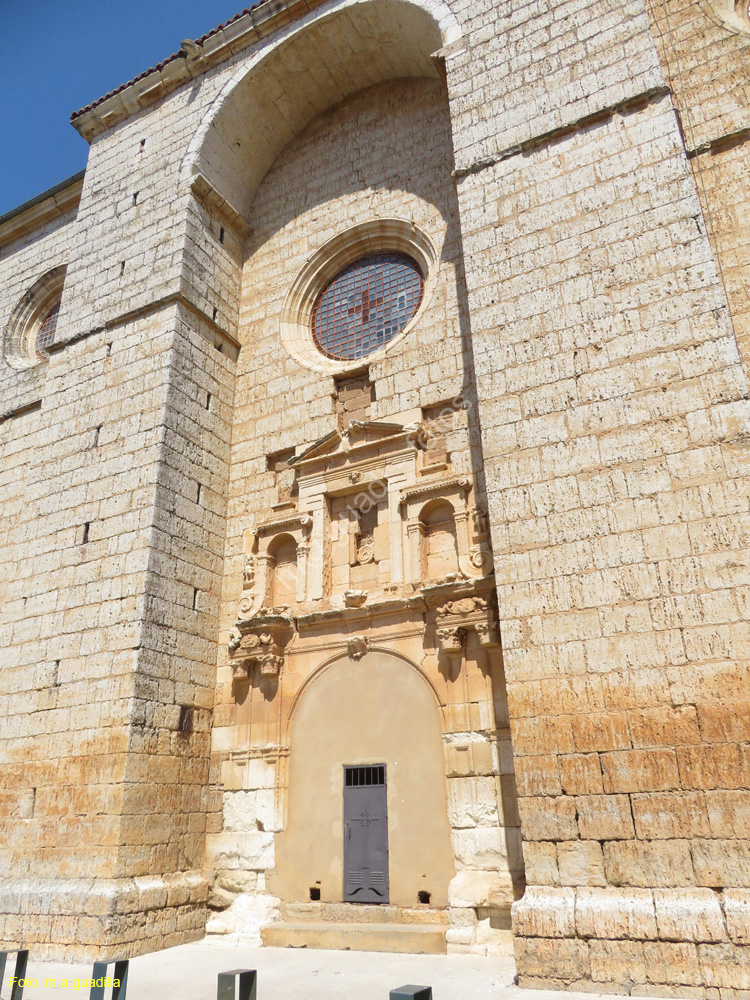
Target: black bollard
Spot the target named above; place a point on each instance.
(227, 981)
(22, 959)
(412, 993)
(121, 977)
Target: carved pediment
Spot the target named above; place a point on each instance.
(359, 436)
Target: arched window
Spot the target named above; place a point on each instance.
(32, 328)
(440, 546)
(45, 335)
(282, 571)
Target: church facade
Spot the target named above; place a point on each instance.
(375, 452)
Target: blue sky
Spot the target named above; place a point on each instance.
(60, 55)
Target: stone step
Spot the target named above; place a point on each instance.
(357, 913)
(426, 939)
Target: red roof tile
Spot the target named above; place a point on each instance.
(159, 66)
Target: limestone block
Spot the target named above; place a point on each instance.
(728, 812)
(493, 931)
(581, 774)
(672, 963)
(615, 913)
(620, 962)
(538, 775)
(240, 851)
(661, 815)
(725, 965)
(689, 915)
(598, 731)
(643, 863)
(483, 847)
(463, 917)
(473, 802)
(548, 818)
(722, 862)
(544, 911)
(581, 862)
(463, 925)
(552, 958)
(737, 913)
(540, 860)
(640, 770)
(479, 888)
(250, 810)
(245, 918)
(605, 817)
(152, 893)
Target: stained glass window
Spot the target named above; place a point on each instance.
(366, 305)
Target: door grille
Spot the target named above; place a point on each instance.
(361, 777)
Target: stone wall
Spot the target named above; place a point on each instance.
(614, 414)
(384, 153)
(589, 307)
(702, 58)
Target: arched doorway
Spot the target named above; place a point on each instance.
(374, 712)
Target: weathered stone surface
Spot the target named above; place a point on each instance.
(736, 903)
(548, 819)
(479, 888)
(725, 965)
(588, 301)
(545, 912)
(724, 863)
(672, 963)
(648, 863)
(560, 960)
(605, 817)
(581, 862)
(689, 915)
(620, 962)
(615, 913)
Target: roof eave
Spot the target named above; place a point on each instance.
(58, 201)
(218, 45)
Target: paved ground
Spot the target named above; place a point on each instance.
(189, 973)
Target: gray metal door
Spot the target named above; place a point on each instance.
(365, 835)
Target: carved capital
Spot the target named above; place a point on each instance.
(470, 612)
(487, 633)
(261, 640)
(241, 670)
(270, 665)
(451, 638)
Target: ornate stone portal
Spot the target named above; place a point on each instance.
(379, 561)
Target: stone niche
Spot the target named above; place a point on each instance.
(370, 581)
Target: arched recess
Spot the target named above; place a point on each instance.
(439, 540)
(282, 571)
(306, 68)
(373, 710)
